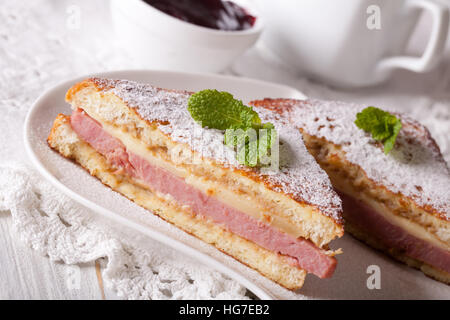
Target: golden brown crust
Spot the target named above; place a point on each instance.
(352, 179)
(271, 265)
(284, 106)
(250, 173)
(76, 88)
(60, 120)
(348, 176)
(305, 220)
(345, 174)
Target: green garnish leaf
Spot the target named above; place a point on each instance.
(219, 110)
(252, 145)
(382, 125)
(244, 131)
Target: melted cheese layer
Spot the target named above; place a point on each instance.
(212, 188)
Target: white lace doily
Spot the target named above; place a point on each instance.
(56, 226)
(40, 47)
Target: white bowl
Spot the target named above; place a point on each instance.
(159, 41)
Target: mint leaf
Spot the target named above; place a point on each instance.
(382, 125)
(390, 141)
(244, 131)
(219, 110)
(252, 145)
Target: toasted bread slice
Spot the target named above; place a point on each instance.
(399, 203)
(145, 142)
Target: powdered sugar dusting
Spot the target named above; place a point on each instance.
(299, 173)
(300, 176)
(414, 167)
(169, 108)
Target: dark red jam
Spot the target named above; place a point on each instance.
(214, 14)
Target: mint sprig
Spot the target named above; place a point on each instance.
(244, 131)
(219, 110)
(382, 125)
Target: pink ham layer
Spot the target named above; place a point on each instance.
(303, 253)
(375, 225)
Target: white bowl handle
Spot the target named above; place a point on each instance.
(435, 46)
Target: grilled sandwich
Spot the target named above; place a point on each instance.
(140, 141)
(398, 203)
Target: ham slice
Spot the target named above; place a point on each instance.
(392, 236)
(303, 252)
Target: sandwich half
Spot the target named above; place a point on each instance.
(142, 142)
(398, 203)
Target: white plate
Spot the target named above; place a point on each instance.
(350, 279)
(79, 185)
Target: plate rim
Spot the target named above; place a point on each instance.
(147, 231)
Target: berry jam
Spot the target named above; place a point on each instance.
(214, 14)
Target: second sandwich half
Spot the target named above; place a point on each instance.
(141, 141)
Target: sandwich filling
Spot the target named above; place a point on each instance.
(305, 254)
(397, 202)
(392, 235)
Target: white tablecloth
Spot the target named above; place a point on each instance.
(40, 46)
